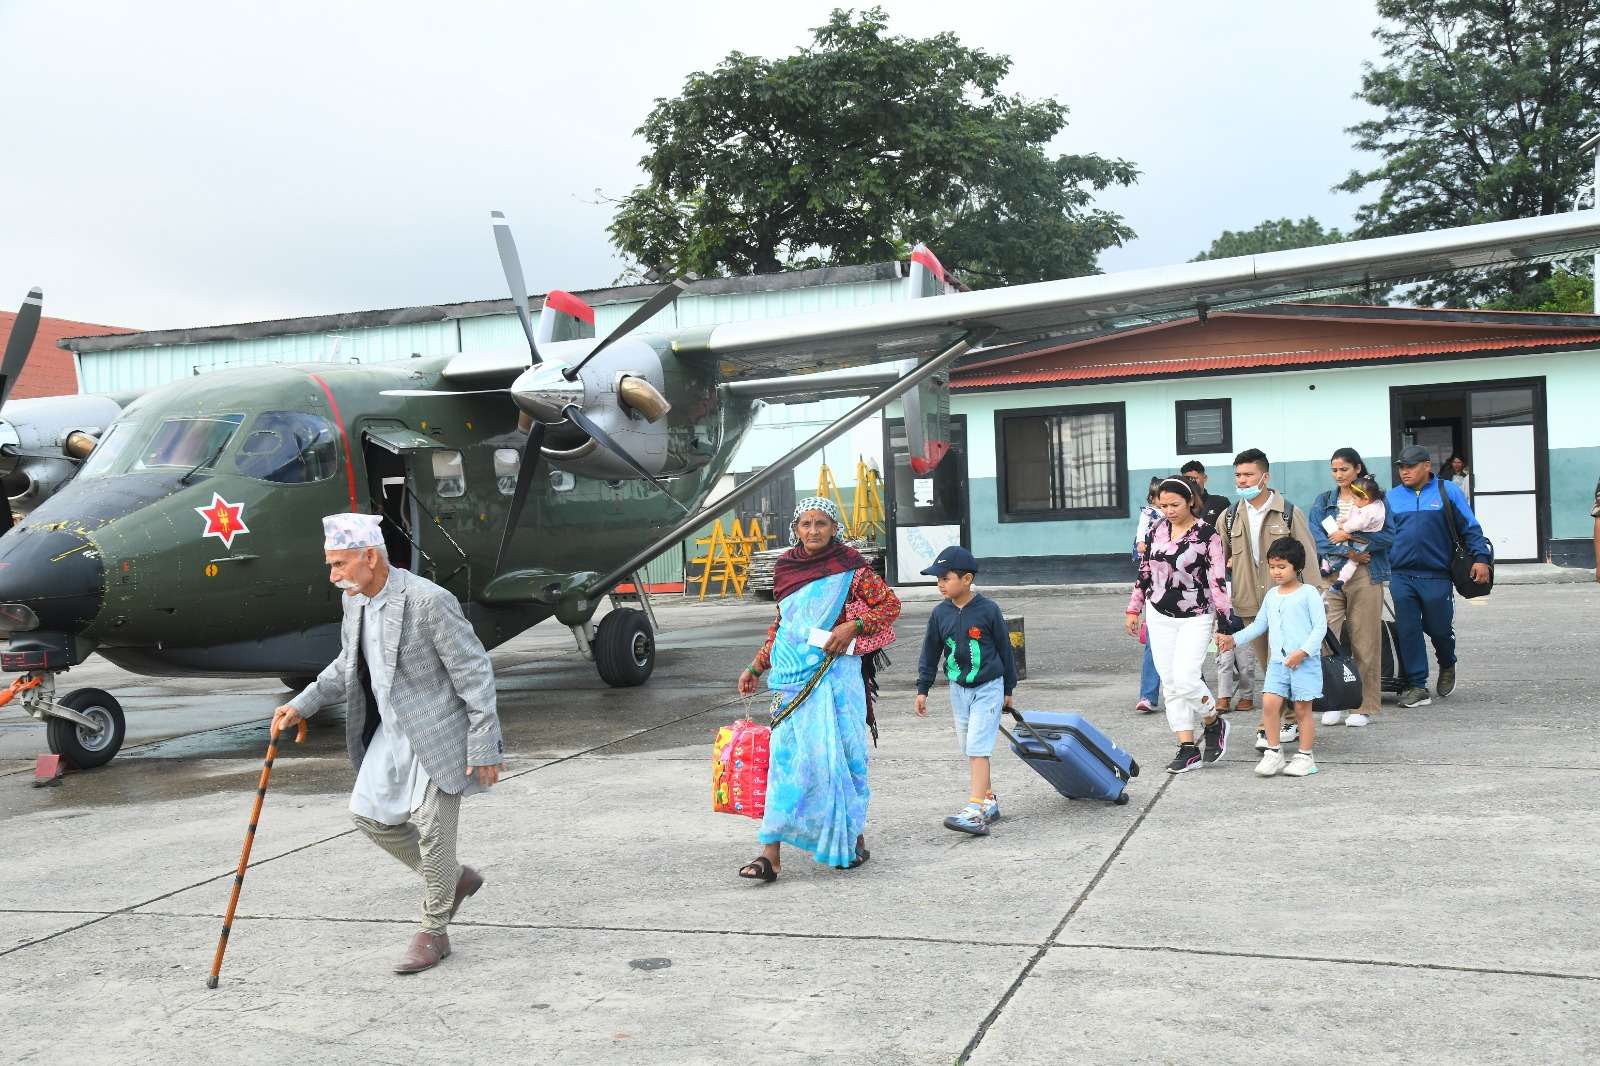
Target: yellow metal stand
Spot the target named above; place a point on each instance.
(727, 557)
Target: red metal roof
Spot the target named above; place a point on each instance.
(50, 370)
(1121, 369)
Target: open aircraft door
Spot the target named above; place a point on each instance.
(927, 508)
(414, 481)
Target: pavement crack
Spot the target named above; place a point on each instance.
(1044, 948)
(1172, 949)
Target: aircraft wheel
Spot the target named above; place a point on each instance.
(624, 648)
(297, 684)
(83, 747)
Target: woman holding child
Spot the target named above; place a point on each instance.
(817, 776)
(1353, 534)
(1181, 592)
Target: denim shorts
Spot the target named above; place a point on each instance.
(977, 714)
(1304, 682)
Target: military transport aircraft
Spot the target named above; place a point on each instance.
(530, 483)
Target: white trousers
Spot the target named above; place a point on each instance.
(1179, 647)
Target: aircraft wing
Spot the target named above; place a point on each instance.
(918, 328)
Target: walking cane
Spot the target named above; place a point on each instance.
(244, 856)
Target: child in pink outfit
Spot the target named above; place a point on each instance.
(1368, 517)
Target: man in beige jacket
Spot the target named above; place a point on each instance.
(1259, 517)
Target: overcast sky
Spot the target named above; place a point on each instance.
(176, 164)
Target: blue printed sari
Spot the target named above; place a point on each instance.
(817, 777)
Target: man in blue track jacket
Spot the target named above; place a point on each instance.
(1424, 598)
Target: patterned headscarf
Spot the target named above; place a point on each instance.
(816, 503)
(348, 530)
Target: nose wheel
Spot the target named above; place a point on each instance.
(94, 731)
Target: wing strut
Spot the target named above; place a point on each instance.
(784, 467)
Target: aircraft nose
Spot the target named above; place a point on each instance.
(56, 573)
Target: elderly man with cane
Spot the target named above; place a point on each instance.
(421, 725)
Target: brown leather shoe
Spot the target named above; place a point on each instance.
(466, 885)
(425, 952)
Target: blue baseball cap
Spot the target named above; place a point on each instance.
(952, 558)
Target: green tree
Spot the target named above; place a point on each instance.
(1484, 104)
(1270, 236)
(853, 149)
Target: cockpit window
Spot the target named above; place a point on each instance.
(288, 447)
(107, 452)
(189, 442)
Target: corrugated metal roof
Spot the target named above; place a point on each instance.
(1112, 371)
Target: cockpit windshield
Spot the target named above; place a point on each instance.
(107, 452)
(189, 442)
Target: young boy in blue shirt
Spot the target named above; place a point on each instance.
(1293, 618)
(968, 633)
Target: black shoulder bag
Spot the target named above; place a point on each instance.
(1461, 558)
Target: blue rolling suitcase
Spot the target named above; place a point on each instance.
(1075, 757)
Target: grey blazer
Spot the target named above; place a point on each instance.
(441, 685)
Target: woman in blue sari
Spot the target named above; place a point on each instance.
(822, 696)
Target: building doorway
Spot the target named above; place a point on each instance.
(1498, 427)
(925, 514)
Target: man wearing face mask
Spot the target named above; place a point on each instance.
(420, 723)
(1258, 517)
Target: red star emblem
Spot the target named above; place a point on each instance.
(224, 520)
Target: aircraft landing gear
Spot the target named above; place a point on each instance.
(623, 646)
(86, 726)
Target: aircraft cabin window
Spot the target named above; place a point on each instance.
(449, 477)
(107, 452)
(506, 462)
(289, 447)
(189, 442)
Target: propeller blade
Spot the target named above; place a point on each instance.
(651, 307)
(526, 469)
(512, 265)
(601, 437)
(23, 329)
(440, 392)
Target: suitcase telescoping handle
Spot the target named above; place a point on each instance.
(1087, 743)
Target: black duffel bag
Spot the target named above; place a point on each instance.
(1341, 683)
(1461, 557)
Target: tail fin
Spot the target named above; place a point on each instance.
(564, 318)
(927, 407)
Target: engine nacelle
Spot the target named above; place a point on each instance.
(36, 458)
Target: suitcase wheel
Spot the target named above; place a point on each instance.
(1120, 800)
(1133, 767)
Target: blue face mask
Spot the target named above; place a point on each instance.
(1248, 493)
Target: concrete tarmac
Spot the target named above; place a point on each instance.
(1428, 896)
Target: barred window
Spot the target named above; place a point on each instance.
(1064, 462)
(1204, 426)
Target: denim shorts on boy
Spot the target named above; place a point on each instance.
(1304, 682)
(977, 714)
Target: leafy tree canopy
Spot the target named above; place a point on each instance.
(853, 149)
(1484, 104)
(1274, 235)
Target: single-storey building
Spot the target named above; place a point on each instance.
(1057, 442)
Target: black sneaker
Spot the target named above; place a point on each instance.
(1447, 681)
(1216, 739)
(1188, 758)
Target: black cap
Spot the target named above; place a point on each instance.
(1412, 454)
(953, 558)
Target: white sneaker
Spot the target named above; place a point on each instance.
(1330, 717)
(1261, 740)
(1289, 733)
(1357, 719)
(1271, 762)
(1302, 765)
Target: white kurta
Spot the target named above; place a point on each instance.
(391, 782)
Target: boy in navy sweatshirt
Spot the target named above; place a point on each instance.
(968, 633)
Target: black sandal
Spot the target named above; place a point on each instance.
(759, 869)
(862, 855)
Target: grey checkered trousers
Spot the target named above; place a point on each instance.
(426, 844)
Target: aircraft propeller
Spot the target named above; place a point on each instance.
(511, 263)
(23, 330)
